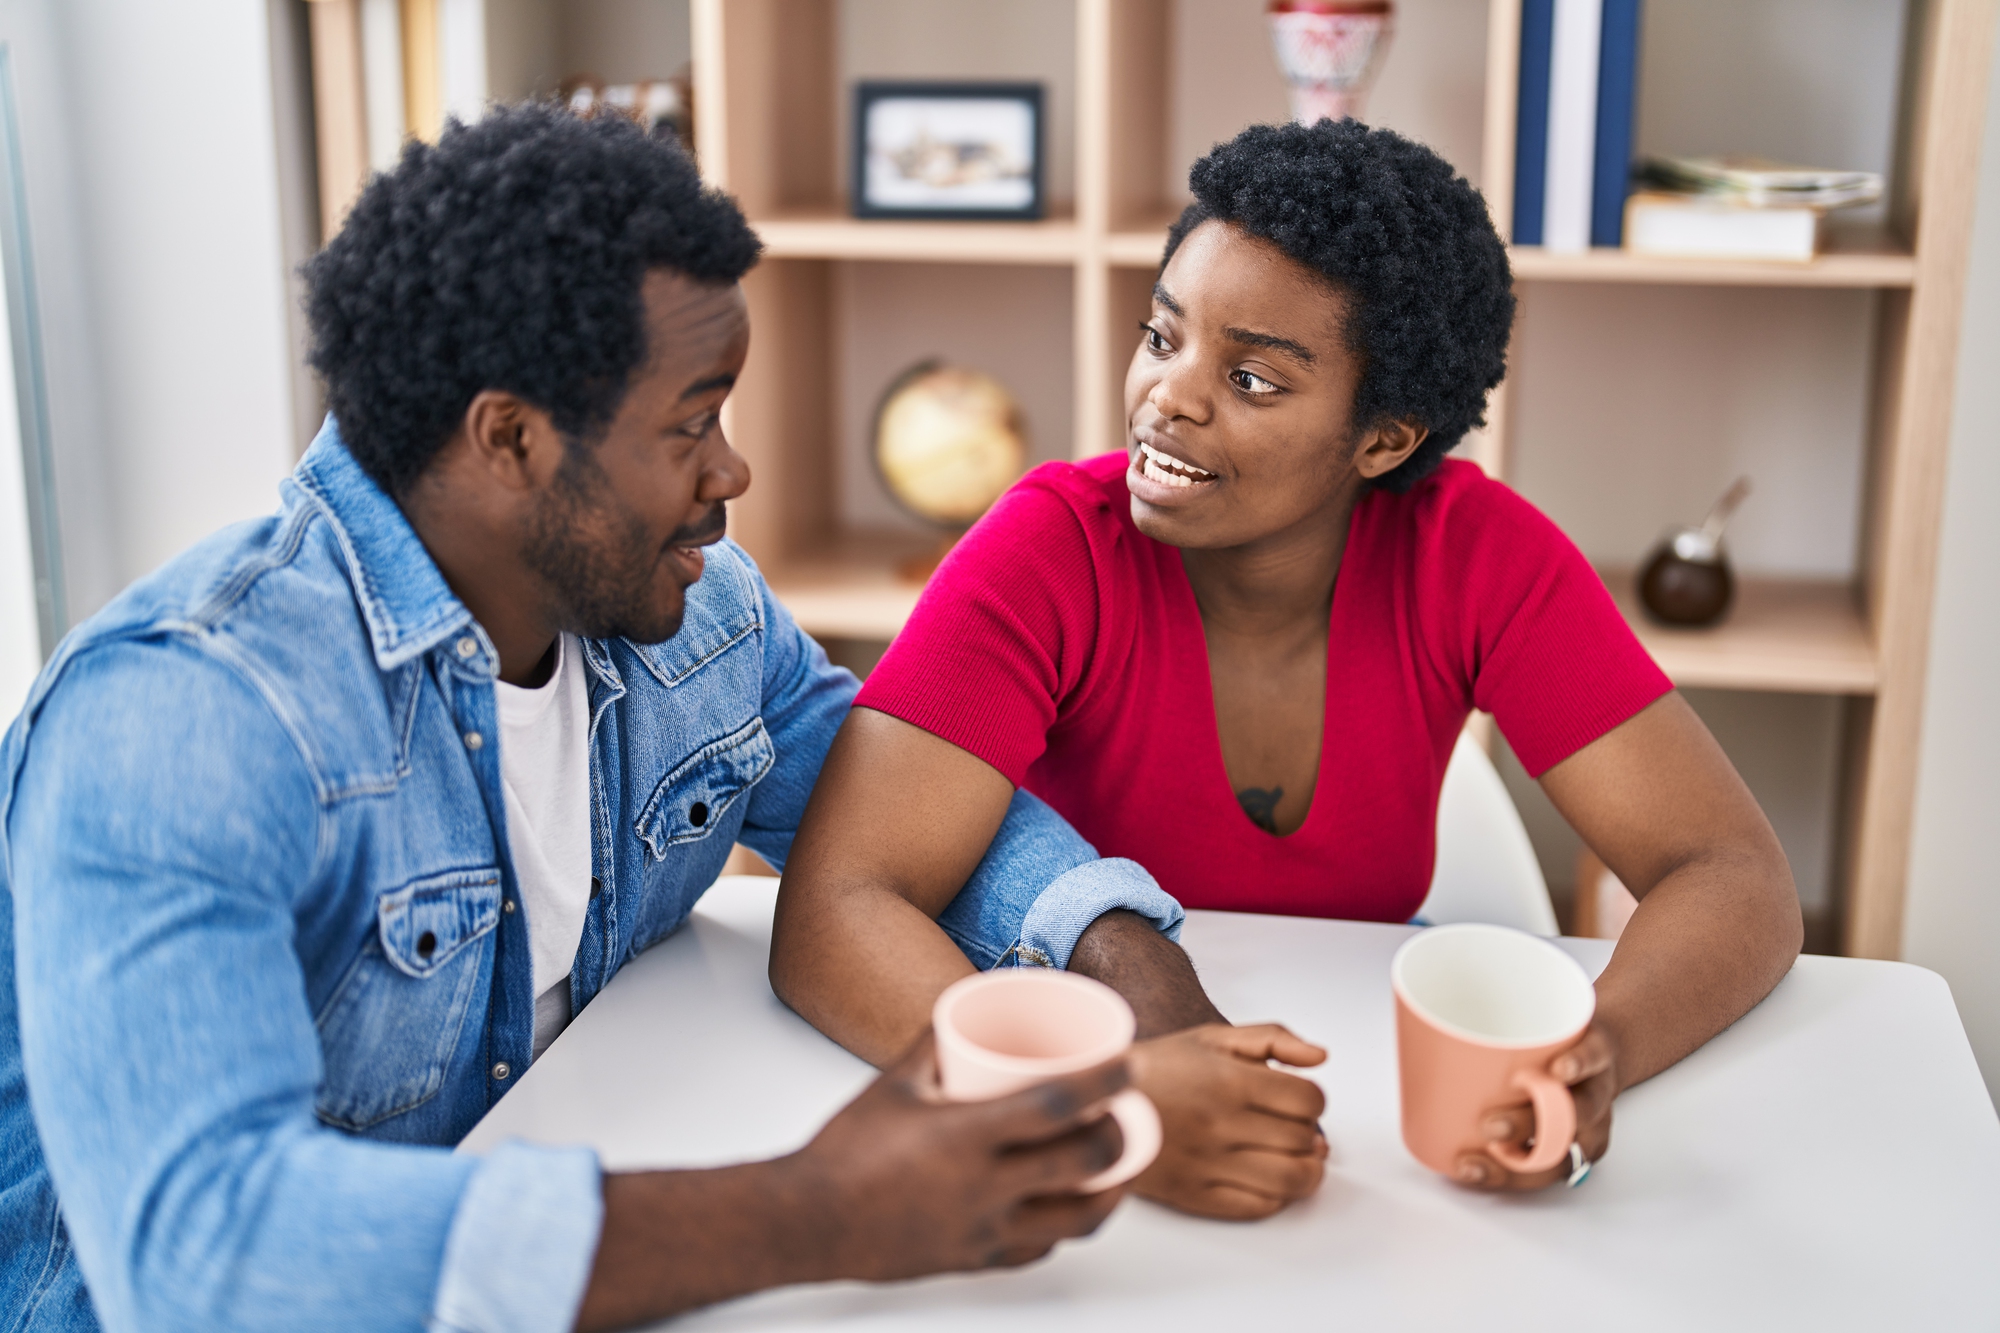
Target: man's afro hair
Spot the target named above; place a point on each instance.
(509, 255)
(1404, 238)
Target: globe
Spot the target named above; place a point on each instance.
(948, 442)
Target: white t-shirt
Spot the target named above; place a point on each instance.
(545, 776)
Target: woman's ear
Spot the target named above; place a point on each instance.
(1386, 447)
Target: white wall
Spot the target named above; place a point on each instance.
(1953, 920)
(176, 329)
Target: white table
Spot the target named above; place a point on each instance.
(1832, 1161)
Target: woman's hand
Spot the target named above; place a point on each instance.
(1590, 1068)
(1242, 1139)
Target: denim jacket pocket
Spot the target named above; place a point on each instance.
(690, 802)
(387, 1035)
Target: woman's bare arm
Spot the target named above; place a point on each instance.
(897, 823)
(1718, 921)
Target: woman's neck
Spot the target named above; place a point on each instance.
(1278, 585)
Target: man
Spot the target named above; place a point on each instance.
(315, 839)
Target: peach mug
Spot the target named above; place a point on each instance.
(1001, 1031)
(1480, 1012)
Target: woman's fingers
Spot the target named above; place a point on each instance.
(1586, 1059)
(1270, 1041)
(1252, 1128)
(1481, 1172)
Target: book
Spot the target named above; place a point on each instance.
(1531, 120)
(1572, 125)
(1761, 183)
(1617, 97)
(1703, 226)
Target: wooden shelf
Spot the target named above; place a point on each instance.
(851, 589)
(1806, 636)
(831, 235)
(1858, 261)
(1851, 261)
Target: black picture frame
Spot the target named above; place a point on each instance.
(980, 204)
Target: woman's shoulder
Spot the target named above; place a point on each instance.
(1058, 507)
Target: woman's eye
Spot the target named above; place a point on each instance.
(1249, 383)
(1155, 340)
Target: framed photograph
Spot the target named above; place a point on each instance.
(948, 150)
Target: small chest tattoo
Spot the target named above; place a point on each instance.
(1261, 806)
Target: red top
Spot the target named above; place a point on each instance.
(1063, 646)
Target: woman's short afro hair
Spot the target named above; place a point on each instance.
(1404, 238)
(510, 256)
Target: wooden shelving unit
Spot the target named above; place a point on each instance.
(767, 104)
(764, 80)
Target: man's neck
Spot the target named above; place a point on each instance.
(487, 574)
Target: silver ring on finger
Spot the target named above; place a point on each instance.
(1579, 1165)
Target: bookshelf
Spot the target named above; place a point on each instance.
(770, 99)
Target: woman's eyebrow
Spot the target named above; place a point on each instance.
(1166, 299)
(1251, 338)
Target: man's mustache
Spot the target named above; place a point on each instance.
(709, 529)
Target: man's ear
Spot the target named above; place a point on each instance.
(1388, 446)
(512, 440)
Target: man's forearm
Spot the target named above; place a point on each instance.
(1126, 952)
(676, 1240)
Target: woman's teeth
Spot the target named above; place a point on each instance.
(1167, 471)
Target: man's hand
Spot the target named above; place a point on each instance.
(1590, 1069)
(908, 1183)
(1242, 1139)
(898, 1184)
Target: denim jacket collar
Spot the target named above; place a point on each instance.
(408, 607)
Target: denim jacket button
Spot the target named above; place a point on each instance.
(473, 740)
(508, 907)
(698, 813)
(596, 886)
(501, 1070)
(467, 646)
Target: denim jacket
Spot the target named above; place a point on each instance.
(266, 957)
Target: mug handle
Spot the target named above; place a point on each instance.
(1139, 1121)
(1555, 1125)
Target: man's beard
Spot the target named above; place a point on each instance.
(595, 559)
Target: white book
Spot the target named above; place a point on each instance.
(1704, 227)
(1572, 125)
(462, 58)
(382, 80)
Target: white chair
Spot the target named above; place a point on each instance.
(1486, 867)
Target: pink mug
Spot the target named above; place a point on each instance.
(1480, 1012)
(1001, 1031)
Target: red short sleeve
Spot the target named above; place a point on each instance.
(1547, 650)
(1003, 634)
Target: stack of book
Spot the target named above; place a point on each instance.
(1739, 207)
(1573, 146)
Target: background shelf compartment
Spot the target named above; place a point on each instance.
(1803, 636)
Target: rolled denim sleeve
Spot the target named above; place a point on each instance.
(521, 1242)
(171, 1054)
(1039, 887)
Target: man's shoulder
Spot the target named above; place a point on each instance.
(267, 602)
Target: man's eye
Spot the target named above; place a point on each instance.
(700, 426)
(1249, 383)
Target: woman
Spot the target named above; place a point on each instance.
(1240, 653)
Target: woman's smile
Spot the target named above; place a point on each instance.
(1156, 477)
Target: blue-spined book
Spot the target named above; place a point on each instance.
(1617, 95)
(1531, 120)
